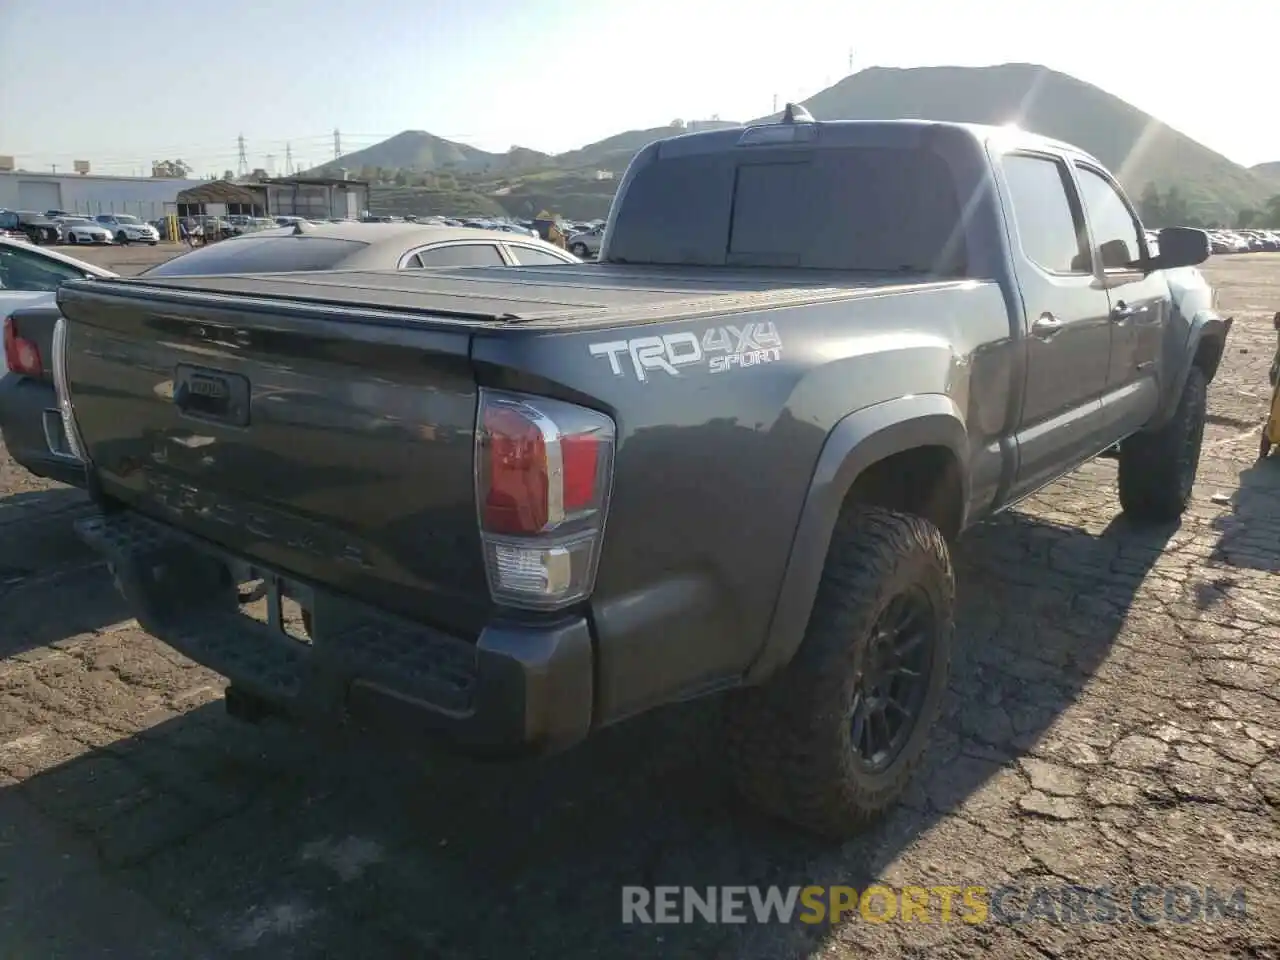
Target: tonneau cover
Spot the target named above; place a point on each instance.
(589, 292)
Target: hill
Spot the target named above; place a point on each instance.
(1270, 172)
(614, 153)
(412, 150)
(1140, 149)
(1137, 147)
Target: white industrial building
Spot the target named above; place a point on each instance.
(145, 197)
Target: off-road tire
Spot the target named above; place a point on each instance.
(789, 740)
(1158, 468)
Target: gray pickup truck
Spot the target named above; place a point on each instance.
(515, 505)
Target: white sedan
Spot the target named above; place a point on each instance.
(82, 230)
(128, 229)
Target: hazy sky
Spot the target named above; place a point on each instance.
(123, 82)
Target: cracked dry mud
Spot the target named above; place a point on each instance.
(1113, 719)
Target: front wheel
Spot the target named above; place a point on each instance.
(1158, 468)
(831, 742)
(579, 250)
(122, 239)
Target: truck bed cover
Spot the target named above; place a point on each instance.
(528, 295)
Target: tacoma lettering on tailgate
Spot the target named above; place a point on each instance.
(184, 499)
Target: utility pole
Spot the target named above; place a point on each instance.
(271, 164)
(288, 160)
(55, 167)
(775, 103)
(851, 60)
(242, 165)
(337, 143)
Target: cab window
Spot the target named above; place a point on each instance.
(1048, 229)
(1116, 230)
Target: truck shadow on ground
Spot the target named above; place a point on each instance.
(43, 564)
(1248, 533)
(270, 841)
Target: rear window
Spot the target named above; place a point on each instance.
(260, 255)
(863, 208)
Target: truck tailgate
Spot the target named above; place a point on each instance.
(337, 449)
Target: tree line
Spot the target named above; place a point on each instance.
(1172, 209)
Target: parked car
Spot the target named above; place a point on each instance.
(36, 227)
(30, 422)
(528, 503)
(361, 246)
(587, 243)
(1219, 243)
(81, 230)
(129, 229)
(517, 230)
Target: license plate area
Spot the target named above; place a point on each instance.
(281, 604)
(216, 396)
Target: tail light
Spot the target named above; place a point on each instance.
(22, 356)
(543, 473)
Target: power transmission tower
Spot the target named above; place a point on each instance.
(271, 164)
(337, 143)
(288, 160)
(242, 166)
(775, 103)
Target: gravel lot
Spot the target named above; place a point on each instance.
(126, 261)
(1114, 718)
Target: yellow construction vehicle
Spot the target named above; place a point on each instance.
(1271, 430)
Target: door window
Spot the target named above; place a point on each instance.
(1049, 229)
(461, 255)
(1115, 229)
(532, 257)
(23, 270)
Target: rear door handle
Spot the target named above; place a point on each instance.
(1123, 311)
(1046, 326)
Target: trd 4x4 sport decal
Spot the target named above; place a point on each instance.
(719, 350)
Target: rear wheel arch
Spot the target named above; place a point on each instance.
(1209, 350)
(907, 455)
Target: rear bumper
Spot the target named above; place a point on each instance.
(25, 404)
(520, 689)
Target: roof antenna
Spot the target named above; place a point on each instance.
(794, 113)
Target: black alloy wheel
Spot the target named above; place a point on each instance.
(890, 689)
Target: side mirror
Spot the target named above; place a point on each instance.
(1180, 247)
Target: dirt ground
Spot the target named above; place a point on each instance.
(1113, 720)
(128, 260)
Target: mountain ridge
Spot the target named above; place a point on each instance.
(1269, 171)
(1139, 148)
